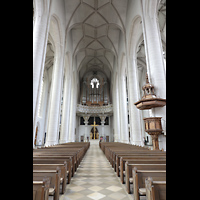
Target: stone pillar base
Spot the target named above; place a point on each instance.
(50, 143)
(63, 141)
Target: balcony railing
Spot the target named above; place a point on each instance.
(94, 109)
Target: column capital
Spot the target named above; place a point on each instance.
(86, 118)
(102, 117)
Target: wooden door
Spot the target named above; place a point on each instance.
(107, 138)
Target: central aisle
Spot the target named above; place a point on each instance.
(95, 179)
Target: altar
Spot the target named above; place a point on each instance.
(94, 134)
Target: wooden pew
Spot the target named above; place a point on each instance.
(76, 153)
(67, 148)
(41, 189)
(108, 148)
(83, 148)
(46, 161)
(54, 177)
(74, 150)
(63, 175)
(53, 159)
(117, 154)
(111, 152)
(141, 166)
(58, 156)
(121, 147)
(140, 157)
(155, 190)
(139, 177)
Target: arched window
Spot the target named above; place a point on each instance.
(95, 83)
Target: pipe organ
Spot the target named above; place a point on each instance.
(94, 92)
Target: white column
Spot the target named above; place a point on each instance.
(73, 104)
(54, 114)
(123, 110)
(86, 127)
(103, 131)
(114, 118)
(64, 134)
(134, 115)
(71, 108)
(154, 58)
(40, 36)
(154, 53)
(116, 113)
(86, 118)
(103, 117)
(74, 118)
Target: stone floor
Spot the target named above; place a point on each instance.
(95, 179)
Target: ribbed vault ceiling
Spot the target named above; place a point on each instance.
(141, 57)
(95, 27)
(162, 20)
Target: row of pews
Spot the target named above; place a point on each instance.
(143, 171)
(54, 166)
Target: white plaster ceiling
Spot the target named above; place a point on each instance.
(95, 27)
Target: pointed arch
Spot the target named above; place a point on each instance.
(134, 35)
(55, 32)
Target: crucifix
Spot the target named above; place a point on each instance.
(94, 125)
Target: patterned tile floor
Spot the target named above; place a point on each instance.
(95, 179)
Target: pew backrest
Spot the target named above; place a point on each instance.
(54, 177)
(139, 177)
(155, 190)
(63, 168)
(41, 189)
(129, 167)
(124, 159)
(56, 161)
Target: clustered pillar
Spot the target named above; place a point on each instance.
(40, 36)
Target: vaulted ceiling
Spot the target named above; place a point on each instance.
(141, 57)
(49, 60)
(95, 27)
(162, 21)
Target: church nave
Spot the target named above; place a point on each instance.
(99, 74)
(95, 179)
